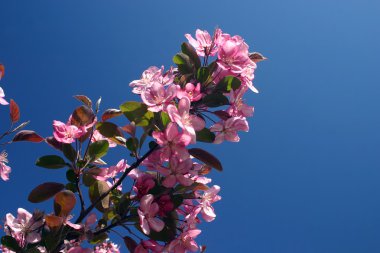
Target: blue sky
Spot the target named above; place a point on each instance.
(305, 179)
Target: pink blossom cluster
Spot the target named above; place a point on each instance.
(4, 168)
(199, 100)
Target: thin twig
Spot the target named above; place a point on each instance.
(125, 174)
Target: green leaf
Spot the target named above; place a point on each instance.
(203, 74)
(88, 179)
(177, 200)
(99, 238)
(137, 112)
(98, 149)
(10, 243)
(71, 187)
(165, 119)
(108, 129)
(44, 192)
(51, 162)
(33, 250)
(206, 158)
(95, 191)
(71, 176)
(228, 83)
(205, 135)
(190, 51)
(185, 65)
(132, 144)
(69, 152)
(215, 100)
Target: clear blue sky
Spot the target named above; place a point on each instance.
(305, 179)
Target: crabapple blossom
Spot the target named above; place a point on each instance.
(172, 142)
(178, 172)
(66, 133)
(97, 136)
(204, 44)
(181, 115)
(233, 54)
(156, 97)
(107, 247)
(237, 105)
(144, 182)
(2, 95)
(191, 91)
(149, 246)
(4, 168)
(209, 196)
(112, 171)
(149, 77)
(147, 213)
(227, 130)
(25, 228)
(185, 242)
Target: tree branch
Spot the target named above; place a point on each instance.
(118, 182)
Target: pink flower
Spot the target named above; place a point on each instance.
(4, 169)
(178, 172)
(227, 130)
(247, 76)
(147, 213)
(185, 242)
(172, 142)
(238, 107)
(97, 136)
(149, 246)
(25, 228)
(79, 250)
(209, 196)
(150, 76)
(204, 44)
(181, 115)
(144, 182)
(190, 91)
(156, 96)
(233, 54)
(2, 95)
(112, 171)
(166, 205)
(107, 247)
(66, 133)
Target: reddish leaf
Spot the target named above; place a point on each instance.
(111, 113)
(2, 71)
(54, 143)
(82, 116)
(206, 157)
(53, 221)
(223, 115)
(257, 57)
(84, 99)
(45, 191)
(14, 111)
(130, 129)
(64, 203)
(130, 243)
(27, 135)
